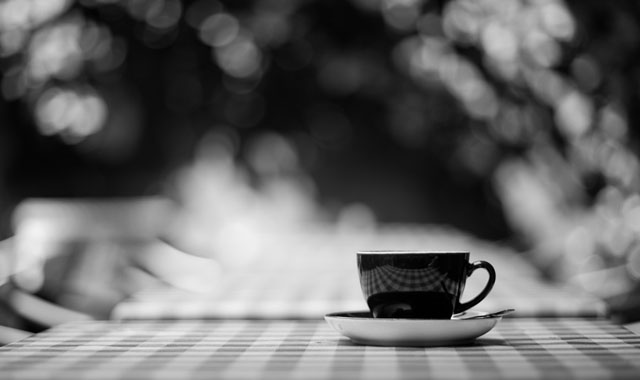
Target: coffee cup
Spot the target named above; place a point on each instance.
(418, 284)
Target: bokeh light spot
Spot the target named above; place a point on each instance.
(72, 115)
(219, 29)
(574, 114)
(557, 21)
(240, 58)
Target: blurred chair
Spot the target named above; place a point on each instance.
(75, 259)
(22, 313)
(9, 321)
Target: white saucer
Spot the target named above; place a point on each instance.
(362, 328)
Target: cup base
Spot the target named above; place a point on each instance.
(412, 305)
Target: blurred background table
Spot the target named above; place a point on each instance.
(307, 275)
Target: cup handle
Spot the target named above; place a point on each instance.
(460, 307)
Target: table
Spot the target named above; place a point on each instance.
(518, 348)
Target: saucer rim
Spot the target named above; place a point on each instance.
(453, 319)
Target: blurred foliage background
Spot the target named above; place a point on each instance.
(513, 120)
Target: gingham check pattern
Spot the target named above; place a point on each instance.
(387, 278)
(516, 349)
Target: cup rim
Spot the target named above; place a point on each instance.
(411, 252)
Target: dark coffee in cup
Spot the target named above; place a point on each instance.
(418, 284)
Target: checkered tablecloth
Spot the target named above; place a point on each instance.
(568, 348)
